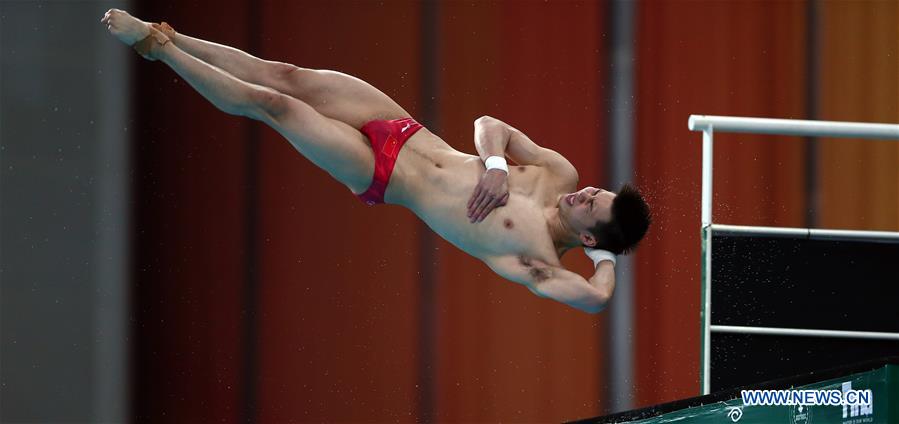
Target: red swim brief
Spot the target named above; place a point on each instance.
(387, 138)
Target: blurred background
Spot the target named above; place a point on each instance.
(161, 261)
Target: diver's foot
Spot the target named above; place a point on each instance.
(134, 32)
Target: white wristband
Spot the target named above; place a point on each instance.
(599, 255)
(497, 162)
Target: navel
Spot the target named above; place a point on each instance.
(508, 223)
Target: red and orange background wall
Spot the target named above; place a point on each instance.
(263, 289)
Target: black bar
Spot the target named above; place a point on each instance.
(812, 72)
(250, 369)
(429, 92)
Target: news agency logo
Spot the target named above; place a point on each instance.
(807, 397)
(801, 414)
(734, 413)
(857, 414)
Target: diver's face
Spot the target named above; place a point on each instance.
(585, 208)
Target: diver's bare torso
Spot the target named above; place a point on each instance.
(435, 181)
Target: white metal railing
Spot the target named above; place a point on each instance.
(806, 233)
(775, 331)
(791, 127)
(797, 127)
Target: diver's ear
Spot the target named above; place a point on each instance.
(587, 239)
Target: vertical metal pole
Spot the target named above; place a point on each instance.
(620, 338)
(706, 309)
(707, 177)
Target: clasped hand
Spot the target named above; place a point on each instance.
(491, 192)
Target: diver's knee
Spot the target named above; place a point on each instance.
(264, 102)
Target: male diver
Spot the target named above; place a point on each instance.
(519, 220)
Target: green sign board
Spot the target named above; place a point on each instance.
(884, 409)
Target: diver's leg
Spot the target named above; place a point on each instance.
(332, 145)
(333, 94)
(234, 61)
(341, 96)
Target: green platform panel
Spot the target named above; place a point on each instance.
(883, 382)
(881, 377)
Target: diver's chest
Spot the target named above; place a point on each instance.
(515, 228)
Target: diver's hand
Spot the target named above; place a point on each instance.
(491, 192)
(599, 255)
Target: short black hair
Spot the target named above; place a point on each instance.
(630, 221)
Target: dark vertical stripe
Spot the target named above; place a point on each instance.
(606, 103)
(812, 72)
(620, 24)
(249, 406)
(426, 243)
